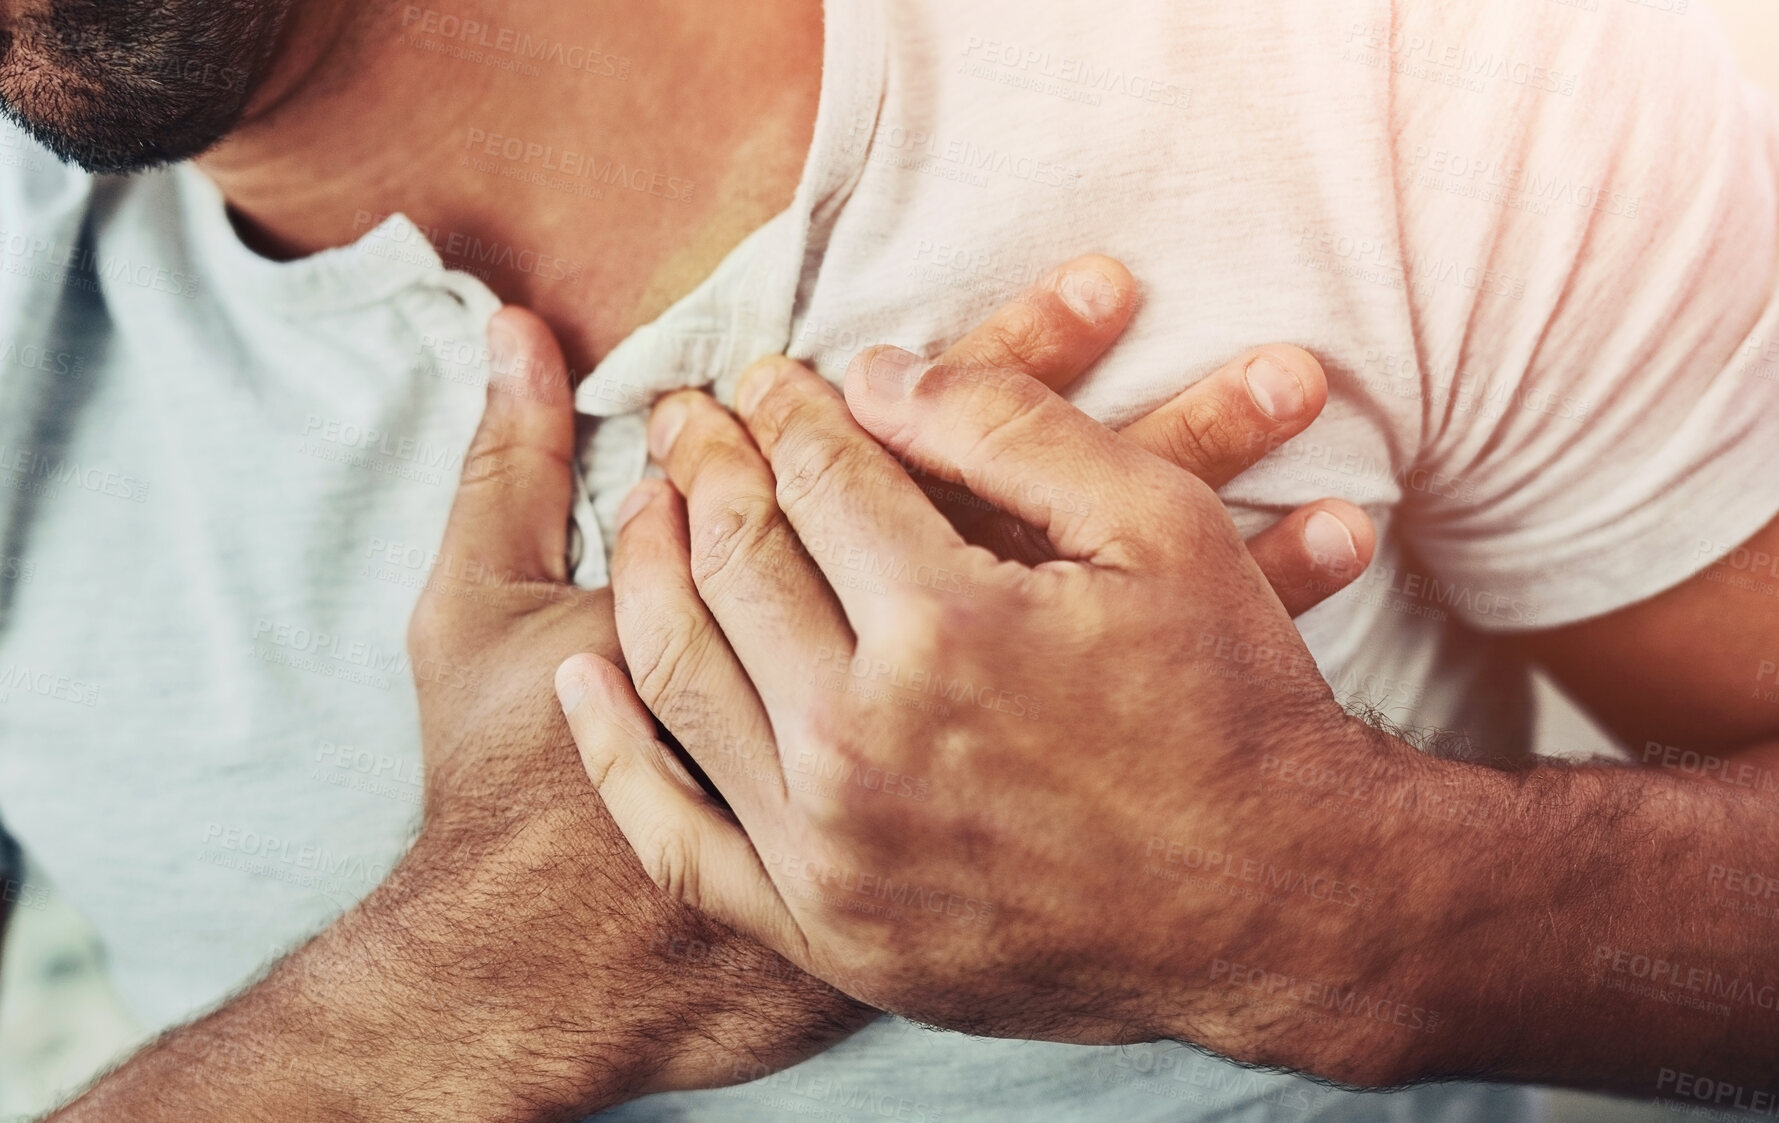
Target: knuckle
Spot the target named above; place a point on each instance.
(673, 866)
(780, 406)
(811, 462)
(710, 444)
(1198, 438)
(734, 537)
(663, 658)
(926, 631)
(990, 392)
(601, 766)
(993, 412)
(1024, 338)
(493, 460)
(830, 727)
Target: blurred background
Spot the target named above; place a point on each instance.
(60, 1024)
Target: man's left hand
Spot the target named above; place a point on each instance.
(968, 784)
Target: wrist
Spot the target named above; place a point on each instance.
(1515, 909)
(1351, 852)
(441, 1000)
(393, 1013)
(1466, 860)
(568, 975)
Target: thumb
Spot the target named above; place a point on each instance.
(688, 845)
(510, 519)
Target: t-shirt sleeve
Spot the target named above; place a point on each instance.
(1600, 354)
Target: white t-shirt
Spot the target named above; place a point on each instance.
(1533, 243)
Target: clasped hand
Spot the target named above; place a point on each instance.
(948, 745)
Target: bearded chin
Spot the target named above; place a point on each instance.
(119, 86)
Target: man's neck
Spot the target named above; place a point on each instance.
(593, 160)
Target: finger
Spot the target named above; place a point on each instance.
(685, 842)
(1012, 441)
(1057, 328)
(838, 486)
(1305, 561)
(756, 577)
(1222, 425)
(684, 669)
(510, 518)
(1053, 331)
(1314, 552)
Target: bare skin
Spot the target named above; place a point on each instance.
(519, 964)
(359, 98)
(1600, 927)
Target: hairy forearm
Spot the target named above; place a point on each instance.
(1596, 927)
(1613, 948)
(411, 1006)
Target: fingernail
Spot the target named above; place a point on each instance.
(571, 687)
(634, 502)
(1274, 389)
(665, 426)
(891, 373)
(755, 381)
(1092, 297)
(1330, 543)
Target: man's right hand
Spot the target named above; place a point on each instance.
(518, 965)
